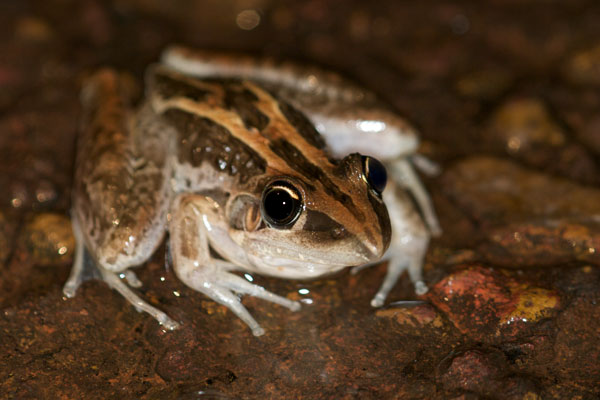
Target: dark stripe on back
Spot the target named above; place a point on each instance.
(241, 100)
(201, 139)
(168, 87)
(296, 161)
(302, 124)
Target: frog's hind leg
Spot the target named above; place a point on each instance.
(121, 188)
(403, 172)
(83, 270)
(197, 222)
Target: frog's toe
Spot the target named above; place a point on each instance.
(114, 281)
(378, 300)
(258, 331)
(132, 279)
(167, 322)
(421, 288)
(240, 285)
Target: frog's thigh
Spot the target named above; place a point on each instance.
(408, 245)
(112, 280)
(196, 221)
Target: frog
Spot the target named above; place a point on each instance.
(246, 165)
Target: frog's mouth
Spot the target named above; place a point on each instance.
(292, 269)
(303, 262)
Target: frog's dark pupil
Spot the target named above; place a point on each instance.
(375, 173)
(281, 204)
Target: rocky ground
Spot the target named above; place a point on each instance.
(506, 95)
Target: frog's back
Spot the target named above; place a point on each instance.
(229, 131)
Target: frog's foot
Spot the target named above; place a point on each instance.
(197, 222)
(396, 266)
(404, 173)
(220, 285)
(113, 280)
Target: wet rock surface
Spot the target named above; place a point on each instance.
(505, 95)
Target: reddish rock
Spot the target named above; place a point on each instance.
(475, 371)
(486, 304)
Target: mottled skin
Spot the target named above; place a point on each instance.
(194, 159)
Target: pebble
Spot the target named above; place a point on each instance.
(49, 239)
(583, 67)
(524, 124)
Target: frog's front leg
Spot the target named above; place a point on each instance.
(408, 246)
(404, 173)
(198, 222)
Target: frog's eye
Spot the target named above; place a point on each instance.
(281, 204)
(374, 173)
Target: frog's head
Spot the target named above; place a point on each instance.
(296, 227)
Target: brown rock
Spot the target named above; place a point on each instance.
(525, 128)
(494, 191)
(583, 67)
(418, 315)
(545, 242)
(485, 373)
(539, 219)
(486, 84)
(6, 231)
(577, 355)
(523, 124)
